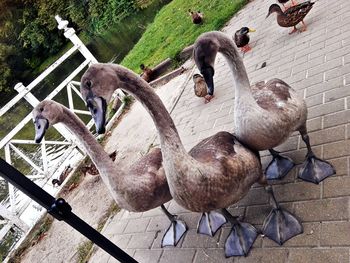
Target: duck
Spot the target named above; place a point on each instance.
(286, 1)
(214, 174)
(241, 38)
(197, 16)
(266, 113)
(292, 16)
(200, 86)
(141, 188)
(147, 73)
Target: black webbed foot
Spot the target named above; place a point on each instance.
(315, 170)
(174, 233)
(240, 240)
(279, 167)
(280, 225)
(210, 223)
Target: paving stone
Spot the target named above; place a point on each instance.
(336, 149)
(326, 108)
(321, 86)
(314, 124)
(297, 191)
(323, 210)
(121, 240)
(147, 256)
(266, 255)
(178, 255)
(116, 227)
(335, 233)
(138, 225)
(337, 118)
(195, 240)
(142, 240)
(318, 255)
(255, 196)
(158, 223)
(327, 135)
(314, 100)
(208, 255)
(336, 186)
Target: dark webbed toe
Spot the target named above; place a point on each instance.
(210, 223)
(315, 170)
(174, 233)
(281, 225)
(279, 167)
(240, 240)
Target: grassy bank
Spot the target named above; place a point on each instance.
(173, 30)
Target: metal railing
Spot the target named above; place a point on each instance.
(11, 210)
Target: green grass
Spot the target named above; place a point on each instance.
(173, 30)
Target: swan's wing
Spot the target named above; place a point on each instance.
(150, 163)
(272, 95)
(213, 148)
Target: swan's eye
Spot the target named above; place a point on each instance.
(88, 84)
(39, 126)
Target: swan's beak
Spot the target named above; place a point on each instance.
(268, 14)
(98, 108)
(41, 124)
(208, 74)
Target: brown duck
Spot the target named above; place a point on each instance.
(147, 73)
(197, 16)
(200, 86)
(292, 16)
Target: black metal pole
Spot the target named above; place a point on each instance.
(61, 210)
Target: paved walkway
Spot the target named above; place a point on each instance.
(317, 64)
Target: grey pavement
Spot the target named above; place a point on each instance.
(317, 64)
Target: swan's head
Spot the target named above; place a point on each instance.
(97, 86)
(45, 114)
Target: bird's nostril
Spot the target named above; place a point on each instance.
(39, 126)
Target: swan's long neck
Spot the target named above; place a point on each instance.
(169, 137)
(96, 152)
(241, 80)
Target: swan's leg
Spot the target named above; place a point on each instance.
(313, 169)
(280, 225)
(210, 223)
(279, 167)
(241, 237)
(175, 231)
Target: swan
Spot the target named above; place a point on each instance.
(265, 113)
(215, 174)
(141, 188)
